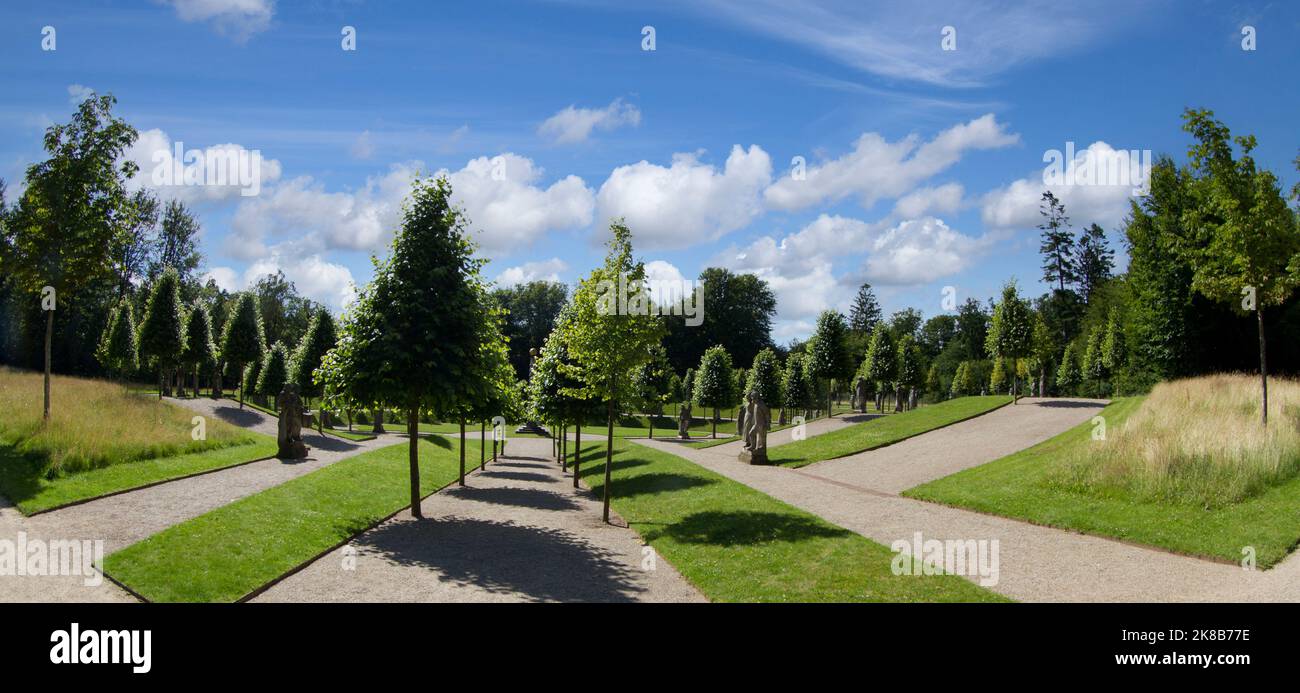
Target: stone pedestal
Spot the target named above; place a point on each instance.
(753, 457)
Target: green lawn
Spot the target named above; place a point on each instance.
(227, 553)
(739, 545)
(883, 431)
(1023, 486)
(21, 481)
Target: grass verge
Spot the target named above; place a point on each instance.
(1025, 485)
(229, 552)
(882, 431)
(739, 545)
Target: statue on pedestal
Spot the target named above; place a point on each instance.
(684, 421)
(290, 434)
(757, 420)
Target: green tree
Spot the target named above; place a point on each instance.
(162, 331)
(1093, 259)
(412, 336)
(177, 244)
(611, 333)
(1113, 353)
(828, 351)
(1094, 367)
(1068, 375)
(737, 312)
(1044, 350)
(654, 385)
(865, 312)
(910, 369)
(320, 337)
(74, 210)
(881, 363)
(274, 373)
(531, 311)
(1058, 243)
(714, 382)
(1241, 237)
(242, 340)
(199, 349)
(765, 377)
(998, 379)
(120, 352)
(795, 386)
(1011, 333)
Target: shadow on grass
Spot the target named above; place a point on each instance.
(650, 484)
(20, 474)
(531, 563)
(537, 499)
(744, 527)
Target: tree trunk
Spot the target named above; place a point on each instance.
(577, 450)
(1263, 363)
(609, 457)
(564, 451)
(240, 369)
(49, 337)
(379, 421)
(651, 436)
(462, 451)
(482, 445)
(412, 431)
(715, 422)
(829, 399)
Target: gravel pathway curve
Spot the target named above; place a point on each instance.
(126, 518)
(517, 532)
(1036, 563)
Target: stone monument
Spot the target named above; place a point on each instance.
(290, 435)
(757, 421)
(684, 421)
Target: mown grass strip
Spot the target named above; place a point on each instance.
(234, 550)
(1022, 486)
(737, 544)
(882, 431)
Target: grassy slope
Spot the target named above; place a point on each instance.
(882, 431)
(739, 545)
(233, 550)
(1018, 486)
(21, 482)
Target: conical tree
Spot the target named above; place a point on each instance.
(242, 340)
(1011, 332)
(881, 364)
(274, 373)
(714, 384)
(319, 338)
(795, 385)
(162, 333)
(199, 350)
(120, 351)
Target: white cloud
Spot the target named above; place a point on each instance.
(509, 210)
(574, 124)
(78, 93)
(902, 40)
(155, 153)
(1016, 205)
(543, 270)
(878, 169)
(316, 278)
(362, 148)
(688, 202)
(239, 19)
(944, 199)
(919, 251)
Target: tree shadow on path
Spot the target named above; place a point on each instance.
(244, 418)
(520, 497)
(536, 564)
(745, 527)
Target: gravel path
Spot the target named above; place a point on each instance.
(126, 518)
(1036, 563)
(518, 532)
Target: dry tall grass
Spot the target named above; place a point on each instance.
(1197, 441)
(95, 423)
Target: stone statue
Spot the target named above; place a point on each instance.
(860, 394)
(290, 435)
(684, 421)
(757, 420)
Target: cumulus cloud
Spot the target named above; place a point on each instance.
(944, 199)
(879, 169)
(200, 174)
(78, 93)
(688, 202)
(316, 278)
(238, 19)
(362, 148)
(1016, 205)
(574, 124)
(543, 270)
(919, 251)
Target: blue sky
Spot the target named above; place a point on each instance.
(923, 166)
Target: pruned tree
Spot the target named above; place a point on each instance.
(199, 349)
(162, 331)
(274, 373)
(1068, 375)
(1011, 332)
(881, 363)
(828, 351)
(120, 348)
(796, 389)
(242, 340)
(320, 337)
(611, 333)
(714, 382)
